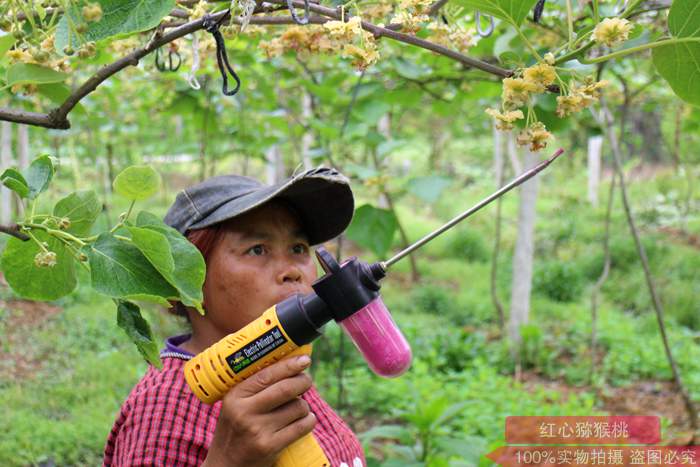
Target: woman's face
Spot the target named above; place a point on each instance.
(260, 259)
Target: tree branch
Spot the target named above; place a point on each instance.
(13, 230)
(58, 118)
(407, 39)
(435, 7)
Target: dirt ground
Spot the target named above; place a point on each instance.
(640, 398)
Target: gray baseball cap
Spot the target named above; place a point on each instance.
(321, 197)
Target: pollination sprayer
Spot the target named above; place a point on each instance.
(347, 293)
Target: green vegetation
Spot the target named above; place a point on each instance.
(461, 375)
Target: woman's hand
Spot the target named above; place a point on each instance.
(262, 415)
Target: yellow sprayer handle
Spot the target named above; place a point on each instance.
(304, 452)
(213, 372)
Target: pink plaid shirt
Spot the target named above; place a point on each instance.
(163, 423)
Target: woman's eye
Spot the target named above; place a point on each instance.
(300, 249)
(257, 250)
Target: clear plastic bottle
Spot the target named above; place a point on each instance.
(379, 340)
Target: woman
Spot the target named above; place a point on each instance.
(256, 243)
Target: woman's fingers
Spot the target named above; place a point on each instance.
(292, 432)
(281, 392)
(288, 413)
(274, 373)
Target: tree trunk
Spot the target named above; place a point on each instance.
(677, 138)
(384, 129)
(601, 280)
(385, 201)
(595, 146)
(274, 167)
(648, 126)
(110, 164)
(6, 161)
(515, 163)
(23, 146)
(438, 139)
(75, 165)
(523, 257)
(307, 141)
(203, 149)
(498, 145)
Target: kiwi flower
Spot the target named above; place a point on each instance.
(541, 74)
(612, 31)
(504, 120)
(536, 135)
(516, 92)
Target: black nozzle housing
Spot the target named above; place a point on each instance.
(341, 292)
(346, 288)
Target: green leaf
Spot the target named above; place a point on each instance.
(6, 43)
(118, 269)
(23, 73)
(362, 172)
(137, 182)
(38, 175)
(684, 18)
(397, 432)
(189, 268)
(119, 18)
(58, 93)
(469, 448)
(679, 64)
(15, 181)
(513, 11)
(373, 228)
(389, 146)
(177, 260)
(81, 208)
(510, 58)
(450, 412)
(428, 188)
(409, 69)
(136, 327)
(31, 281)
(371, 111)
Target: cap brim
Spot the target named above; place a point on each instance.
(322, 199)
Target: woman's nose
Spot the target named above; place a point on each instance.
(289, 273)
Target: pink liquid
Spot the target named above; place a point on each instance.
(378, 339)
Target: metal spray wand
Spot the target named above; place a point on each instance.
(505, 189)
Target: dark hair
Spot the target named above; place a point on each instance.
(204, 239)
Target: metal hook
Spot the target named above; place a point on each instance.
(489, 30)
(178, 62)
(305, 19)
(170, 66)
(191, 76)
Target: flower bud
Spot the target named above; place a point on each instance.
(45, 259)
(92, 12)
